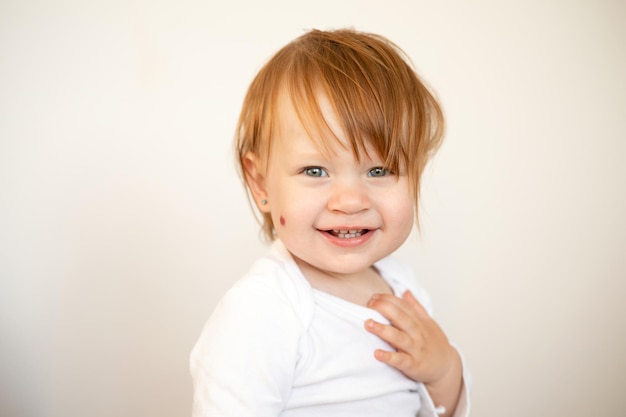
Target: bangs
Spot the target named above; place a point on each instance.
(373, 91)
(313, 100)
(380, 102)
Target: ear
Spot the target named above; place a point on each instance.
(255, 178)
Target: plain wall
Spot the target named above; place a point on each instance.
(122, 219)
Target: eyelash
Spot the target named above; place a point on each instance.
(319, 172)
(382, 172)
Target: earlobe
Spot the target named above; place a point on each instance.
(255, 178)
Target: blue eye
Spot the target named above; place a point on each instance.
(378, 172)
(315, 172)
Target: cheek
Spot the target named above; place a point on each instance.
(401, 211)
(409, 217)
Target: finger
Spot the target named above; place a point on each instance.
(386, 298)
(388, 304)
(410, 299)
(402, 313)
(398, 360)
(397, 339)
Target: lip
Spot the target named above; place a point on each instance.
(350, 241)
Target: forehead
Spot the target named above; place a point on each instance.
(313, 122)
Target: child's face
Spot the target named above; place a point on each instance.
(334, 213)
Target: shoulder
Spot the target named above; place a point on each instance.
(273, 284)
(267, 307)
(247, 354)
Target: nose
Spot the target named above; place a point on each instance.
(349, 197)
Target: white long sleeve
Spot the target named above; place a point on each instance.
(275, 347)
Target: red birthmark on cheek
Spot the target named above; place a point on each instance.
(282, 221)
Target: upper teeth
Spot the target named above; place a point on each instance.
(346, 234)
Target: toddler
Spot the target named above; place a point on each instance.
(333, 137)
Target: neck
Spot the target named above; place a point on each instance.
(357, 287)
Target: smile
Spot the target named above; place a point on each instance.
(347, 234)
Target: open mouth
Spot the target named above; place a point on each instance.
(347, 234)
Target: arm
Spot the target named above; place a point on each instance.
(244, 360)
(423, 352)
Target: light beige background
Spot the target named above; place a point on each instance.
(122, 220)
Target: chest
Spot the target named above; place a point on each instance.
(337, 366)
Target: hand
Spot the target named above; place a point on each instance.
(423, 352)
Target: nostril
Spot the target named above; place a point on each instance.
(350, 202)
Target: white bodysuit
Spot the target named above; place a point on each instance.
(274, 346)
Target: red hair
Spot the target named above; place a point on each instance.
(374, 91)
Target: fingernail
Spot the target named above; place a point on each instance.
(372, 300)
(381, 355)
